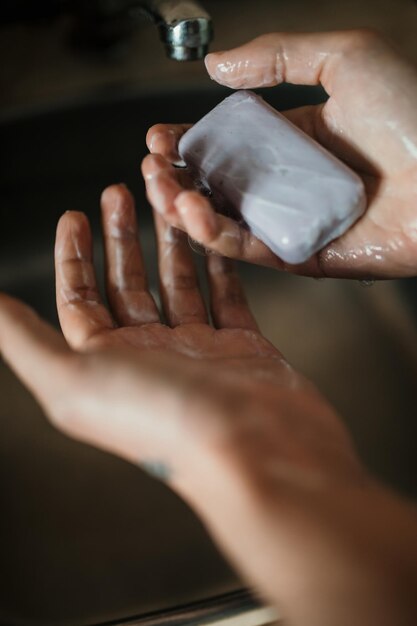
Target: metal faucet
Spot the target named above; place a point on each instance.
(185, 28)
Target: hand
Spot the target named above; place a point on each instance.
(205, 375)
(368, 121)
(220, 415)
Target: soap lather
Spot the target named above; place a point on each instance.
(294, 195)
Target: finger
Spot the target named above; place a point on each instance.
(163, 184)
(163, 139)
(229, 307)
(221, 234)
(33, 349)
(80, 309)
(192, 212)
(127, 290)
(299, 58)
(180, 293)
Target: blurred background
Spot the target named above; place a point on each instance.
(86, 538)
(51, 59)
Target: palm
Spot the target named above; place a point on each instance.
(133, 319)
(381, 244)
(373, 143)
(249, 444)
(194, 340)
(230, 362)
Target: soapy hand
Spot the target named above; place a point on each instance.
(175, 392)
(216, 411)
(194, 398)
(368, 122)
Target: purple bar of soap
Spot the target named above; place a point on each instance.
(293, 194)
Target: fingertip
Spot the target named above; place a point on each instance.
(73, 236)
(157, 138)
(145, 164)
(73, 220)
(10, 305)
(210, 61)
(153, 164)
(198, 216)
(115, 199)
(73, 215)
(114, 191)
(153, 130)
(16, 318)
(158, 143)
(12, 313)
(164, 141)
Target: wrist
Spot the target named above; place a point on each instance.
(345, 548)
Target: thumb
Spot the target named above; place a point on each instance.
(32, 348)
(299, 58)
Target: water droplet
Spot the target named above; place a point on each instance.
(367, 282)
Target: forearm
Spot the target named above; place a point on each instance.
(324, 554)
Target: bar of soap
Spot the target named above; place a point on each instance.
(292, 193)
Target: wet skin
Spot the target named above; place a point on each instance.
(369, 122)
(215, 409)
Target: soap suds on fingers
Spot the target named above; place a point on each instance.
(293, 195)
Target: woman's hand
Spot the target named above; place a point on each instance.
(369, 122)
(219, 414)
(194, 380)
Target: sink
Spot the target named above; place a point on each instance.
(86, 538)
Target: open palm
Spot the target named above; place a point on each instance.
(127, 382)
(224, 364)
(133, 318)
(212, 408)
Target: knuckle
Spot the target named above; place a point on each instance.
(364, 38)
(267, 38)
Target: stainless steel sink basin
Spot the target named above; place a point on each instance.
(86, 538)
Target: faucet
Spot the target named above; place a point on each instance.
(185, 28)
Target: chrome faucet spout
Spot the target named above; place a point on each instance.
(185, 28)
